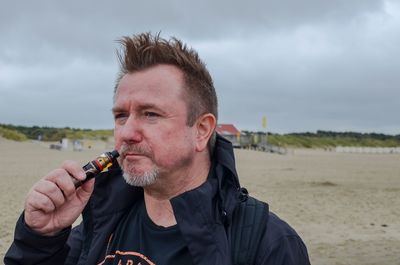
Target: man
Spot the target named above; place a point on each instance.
(178, 199)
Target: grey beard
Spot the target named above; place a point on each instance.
(144, 180)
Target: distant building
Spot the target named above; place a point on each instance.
(229, 132)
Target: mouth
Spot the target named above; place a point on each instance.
(127, 155)
(133, 156)
(132, 152)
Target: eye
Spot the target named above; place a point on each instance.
(150, 115)
(119, 117)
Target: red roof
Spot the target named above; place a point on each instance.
(227, 129)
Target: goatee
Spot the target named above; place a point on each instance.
(138, 179)
(141, 180)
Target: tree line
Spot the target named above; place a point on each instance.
(318, 139)
(54, 134)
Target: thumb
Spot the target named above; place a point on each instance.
(84, 192)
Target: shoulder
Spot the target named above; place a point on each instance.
(265, 239)
(281, 244)
(278, 229)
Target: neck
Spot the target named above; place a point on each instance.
(157, 196)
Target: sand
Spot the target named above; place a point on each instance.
(346, 207)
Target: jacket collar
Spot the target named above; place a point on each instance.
(203, 213)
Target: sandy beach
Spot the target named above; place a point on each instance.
(346, 207)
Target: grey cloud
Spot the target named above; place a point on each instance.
(307, 65)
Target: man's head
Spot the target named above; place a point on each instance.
(165, 107)
(145, 50)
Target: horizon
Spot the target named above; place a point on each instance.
(241, 130)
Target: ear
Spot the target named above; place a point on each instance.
(205, 126)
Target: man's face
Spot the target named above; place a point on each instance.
(150, 125)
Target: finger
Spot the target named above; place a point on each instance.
(51, 190)
(38, 201)
(63, 180)
(74, 169)
(85, 191)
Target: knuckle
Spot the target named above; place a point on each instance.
(49, 205)
(40, 201)
(53, 188)
(68, 164)
(59, 172)
(55, 174)
(73, 168)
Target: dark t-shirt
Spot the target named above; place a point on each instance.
(137, 240)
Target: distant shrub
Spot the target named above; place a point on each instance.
(104, 138)
(12, 135)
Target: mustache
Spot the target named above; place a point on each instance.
(136, 149)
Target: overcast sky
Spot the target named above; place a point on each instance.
(306, 65)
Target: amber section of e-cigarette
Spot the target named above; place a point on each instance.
(93, 168)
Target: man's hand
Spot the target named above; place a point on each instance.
(53, 204)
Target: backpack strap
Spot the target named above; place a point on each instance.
(249, 224)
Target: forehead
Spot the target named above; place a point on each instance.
(161, 82)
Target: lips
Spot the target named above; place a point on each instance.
(133, 155)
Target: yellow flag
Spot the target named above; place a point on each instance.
(264, 122)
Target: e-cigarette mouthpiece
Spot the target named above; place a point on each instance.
(93, 168)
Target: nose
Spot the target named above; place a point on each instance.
(131, 131)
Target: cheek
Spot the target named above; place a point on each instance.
(177, 139)
(178, 144)
(117, 142)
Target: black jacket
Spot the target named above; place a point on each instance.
(202, 216)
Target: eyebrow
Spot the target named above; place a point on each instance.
(140, 108)
(117, 109)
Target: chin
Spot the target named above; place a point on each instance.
(141, 179)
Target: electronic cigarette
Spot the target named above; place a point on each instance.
(93, 168)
